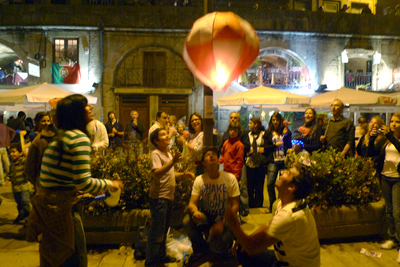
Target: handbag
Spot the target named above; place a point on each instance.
(256, 159)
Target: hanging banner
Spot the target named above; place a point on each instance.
(65, 74)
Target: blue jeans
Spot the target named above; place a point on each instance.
(22, 200)
(272, 174)
(255, 186)
(199, 235)
(161, 210)
(391, 194)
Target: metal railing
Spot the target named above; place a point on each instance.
(353, 80)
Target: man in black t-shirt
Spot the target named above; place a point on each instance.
(115, 131)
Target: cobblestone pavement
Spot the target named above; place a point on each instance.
(16, 252)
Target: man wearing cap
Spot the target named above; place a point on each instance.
(213, 192)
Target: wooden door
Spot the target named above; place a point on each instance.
(141, 104)
(174, 104)
(154, 69)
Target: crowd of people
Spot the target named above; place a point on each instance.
(57, 164)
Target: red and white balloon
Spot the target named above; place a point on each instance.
(219, 47)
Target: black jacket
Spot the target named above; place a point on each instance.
(139, 128)
(377, 151)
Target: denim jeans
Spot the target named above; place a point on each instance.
(22, 200)
(272, 174)
(244, 194)
(391, 194)
(4, 164)
(199, 236)
(161, 210)
(255, 186)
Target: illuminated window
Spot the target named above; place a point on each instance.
(65, 49)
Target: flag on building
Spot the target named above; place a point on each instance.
(65, 74)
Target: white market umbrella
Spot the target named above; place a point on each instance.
(395, 96)
(351, 97)
(234, 88)
(262, 95)
(40, 93)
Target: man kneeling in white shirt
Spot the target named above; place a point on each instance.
(292, 230)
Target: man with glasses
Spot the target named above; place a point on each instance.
(292, 230)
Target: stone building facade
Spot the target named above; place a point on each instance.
(131, 55)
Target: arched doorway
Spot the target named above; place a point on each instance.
(279, 68)
(10, 65)
(149, 78)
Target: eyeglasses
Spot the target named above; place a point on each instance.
(195, 120)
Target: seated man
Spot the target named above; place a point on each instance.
(213, 192)
(292, 230)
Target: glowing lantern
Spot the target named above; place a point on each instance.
(219, 47)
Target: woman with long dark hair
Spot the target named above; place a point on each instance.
(42, 119)
(65, 170)
(310, 133)
(256, 163)
(387, 151)
(371, 138)
(280, 137)
(193, 147)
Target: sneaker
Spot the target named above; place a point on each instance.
(389, 244)
(245, 213)
(398, 258)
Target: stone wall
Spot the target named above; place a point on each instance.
(169, 17)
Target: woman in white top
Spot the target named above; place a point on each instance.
(388, 151)
(193, 148)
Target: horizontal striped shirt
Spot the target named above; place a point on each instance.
(72, 172)
(17, 176)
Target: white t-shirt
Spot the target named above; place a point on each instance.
(196, 154)
(98, 136)
(164, 187)
(392, 159)
(215, 193)
(297, 232)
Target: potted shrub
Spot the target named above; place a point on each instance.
(118, 224)
(346, 201)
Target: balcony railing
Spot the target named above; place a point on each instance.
(354, 80)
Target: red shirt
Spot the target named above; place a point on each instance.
(233, 156)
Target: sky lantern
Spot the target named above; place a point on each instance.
(219, 47)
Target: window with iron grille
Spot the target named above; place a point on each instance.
(66, 49)
(154, 69)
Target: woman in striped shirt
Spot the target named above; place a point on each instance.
(65, 170)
